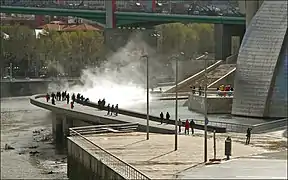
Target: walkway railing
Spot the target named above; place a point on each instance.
(266, 126)
(213, 93)
(230, 127)
(124, 169)
(119, 128)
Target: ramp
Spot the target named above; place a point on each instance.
(184, 86)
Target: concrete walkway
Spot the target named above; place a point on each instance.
(156, 157)
(240, 169)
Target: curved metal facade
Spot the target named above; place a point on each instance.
(261, 75)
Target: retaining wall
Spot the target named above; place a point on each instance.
(216, 105)
(83, 164)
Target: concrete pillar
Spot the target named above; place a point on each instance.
(222, 36)
(110, 7)
(251, 8)
(54, 126)
(58, 132)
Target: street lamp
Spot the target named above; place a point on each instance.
(205, 104)
(176, 99)
(147, 89)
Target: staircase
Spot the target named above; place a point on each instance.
(212, 76)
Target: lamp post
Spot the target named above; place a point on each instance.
(176, 101)
(205, 105)
(147, 93)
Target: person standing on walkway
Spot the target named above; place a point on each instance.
(53, 101)
(47, 97)
(67, 98)
(108, 109)
(248, 136)
(112, 109)
(72, 104)
(179, 125)
(167, 117)
(161, 117)
(192, 126)
(116, 110)
(73, 97)
(187, 126)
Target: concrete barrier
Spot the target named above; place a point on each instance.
(216, 105)
(82, 164)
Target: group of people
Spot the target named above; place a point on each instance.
(162, 117)
(110, 109)
(225, 90)
(62, 96)
(187, 126)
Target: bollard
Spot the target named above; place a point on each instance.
(228, 147)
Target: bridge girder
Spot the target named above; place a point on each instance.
(124, 18)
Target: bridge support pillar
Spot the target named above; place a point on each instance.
(60, 130)
(223, 34)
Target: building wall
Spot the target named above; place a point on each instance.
(257, 59)
(278, 102)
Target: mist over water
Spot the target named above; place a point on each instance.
(121, 79)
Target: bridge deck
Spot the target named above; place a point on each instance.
(127, 119)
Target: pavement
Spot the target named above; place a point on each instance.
(240, 169)
(156, 157)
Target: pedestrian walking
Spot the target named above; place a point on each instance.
(192, 126)
(187, 126)
(73, 97)
(167, 117)
(112, 109)
(161, 117)
(179, 125)
(248, 136)
(72, 104)
(67, 98)
(47, 97)
(116, 110)
(53, 101)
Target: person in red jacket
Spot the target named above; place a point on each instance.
(187, 126)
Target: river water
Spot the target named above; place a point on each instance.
(33, 156)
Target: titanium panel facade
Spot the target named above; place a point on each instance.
(259, 64)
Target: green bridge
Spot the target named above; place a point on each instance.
(125, 18)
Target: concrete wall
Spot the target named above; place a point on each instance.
(83, 164)
(216, 105)
(257, 62)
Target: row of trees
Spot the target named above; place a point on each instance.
(70, 52)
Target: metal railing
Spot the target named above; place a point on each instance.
(230, 127)
(119, 166)
(119, 128)
(266, 126)
(213, 93)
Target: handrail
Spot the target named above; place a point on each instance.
(232, 127)
(266, 126)
(130, 172)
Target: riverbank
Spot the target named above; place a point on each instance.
(26, 129)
